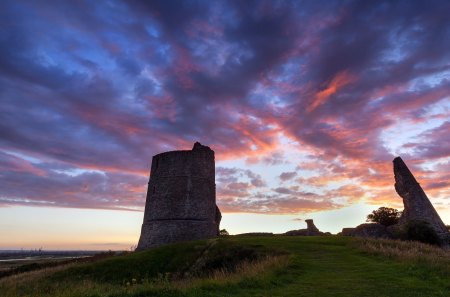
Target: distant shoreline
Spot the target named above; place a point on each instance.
(24, 255)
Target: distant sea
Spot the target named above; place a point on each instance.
(26, 255)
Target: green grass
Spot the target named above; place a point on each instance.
(251, 266)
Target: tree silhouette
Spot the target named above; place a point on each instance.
(385, 216)
(223, 232)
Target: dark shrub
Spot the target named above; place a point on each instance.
(421, 231)
(224, 232)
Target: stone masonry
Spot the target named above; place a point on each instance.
(311, 230)
(181, 198)
(416, 203)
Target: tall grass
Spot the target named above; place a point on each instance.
(41, 283)
(161, 285)
(245, 271)
(30, 276)
(413, 252)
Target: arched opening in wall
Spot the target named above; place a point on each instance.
(154, 190)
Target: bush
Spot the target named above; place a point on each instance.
(223, 232)
(385, 216)
(421, 231)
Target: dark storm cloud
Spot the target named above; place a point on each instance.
(243, 38)
(105, 85)
(377, 47)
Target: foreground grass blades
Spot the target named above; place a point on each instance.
(252, 266)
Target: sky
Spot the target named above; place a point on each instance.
(305, 103)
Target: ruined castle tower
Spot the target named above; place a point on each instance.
(181, 198)
(312, 229)
(417, 205)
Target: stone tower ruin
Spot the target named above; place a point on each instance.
(312, 229)
(417, 205)
(181, 198)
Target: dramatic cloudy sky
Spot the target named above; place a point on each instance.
(305, 104)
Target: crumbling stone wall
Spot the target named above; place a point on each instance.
(417, 205)
(311, 230)
(181, 198)
(417, 208)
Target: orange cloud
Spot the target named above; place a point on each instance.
(339, 81)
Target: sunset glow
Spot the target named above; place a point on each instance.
(305, 103)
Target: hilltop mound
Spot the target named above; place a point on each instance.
(174, 262)
(251, 266)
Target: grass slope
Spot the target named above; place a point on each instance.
(251, 266)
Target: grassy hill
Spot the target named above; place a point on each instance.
(251, 266)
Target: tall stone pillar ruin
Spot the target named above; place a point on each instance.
(181, 198)
(312, 229)
(417, 205)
